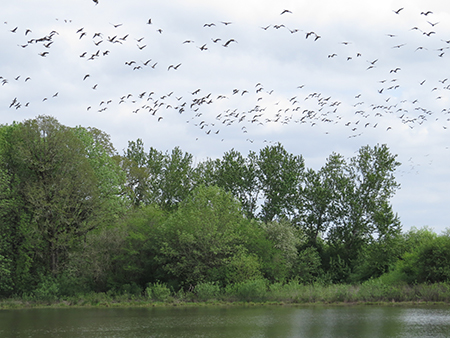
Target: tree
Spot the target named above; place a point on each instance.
(280, 176)
(280, 258)
(319, 193)
(205, 173)
(7, 225)
(143, 172)
(104, 161)
(177, 179)
(203, 237)
(239, 175)
(65, 184)
(158, 178)
(57, 185)
(360, 208)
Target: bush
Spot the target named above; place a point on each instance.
(47, 289)
(158, 291)
(207, 291)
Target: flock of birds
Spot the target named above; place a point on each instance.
(259, 104)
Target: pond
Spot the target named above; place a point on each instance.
(229, 322)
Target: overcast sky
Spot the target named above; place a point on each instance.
(208, 76)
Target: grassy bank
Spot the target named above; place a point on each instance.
(250, 292)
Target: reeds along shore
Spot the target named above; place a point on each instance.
(252, 291)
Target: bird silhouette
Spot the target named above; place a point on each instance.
(228, 42)
(174, 67)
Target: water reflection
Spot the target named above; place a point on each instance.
(229, 322)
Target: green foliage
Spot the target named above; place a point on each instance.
(57, 184)
(110, 177)
(239, 175)
(360, 209)
(157, 178)
(7, 204)
(135, 260)
(47, 289)
(207, 291)
(241, 267)
(94, 263)
(339, 270)
(285, 238)
(280, 175)
(250, 290)
(6, 283)
(76, 217)
(202, 236)
(378, 257)
(317, 196)
(308, 266)
(427, 261)
(158, 291)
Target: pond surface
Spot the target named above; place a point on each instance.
(230, 322)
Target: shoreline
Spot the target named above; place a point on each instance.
(369, 293)
(24, 305)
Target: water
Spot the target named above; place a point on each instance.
(230, 322)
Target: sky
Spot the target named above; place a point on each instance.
(210, 76)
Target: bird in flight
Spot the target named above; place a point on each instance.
(228, 42)
(313, 33)
(285, 11)
(174, 67)
(398, 10)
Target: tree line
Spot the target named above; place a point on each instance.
(77, 217)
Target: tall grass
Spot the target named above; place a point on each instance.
(255, 290)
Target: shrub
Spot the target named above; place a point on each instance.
(158, 291)
(206, 291)
(47, 289)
